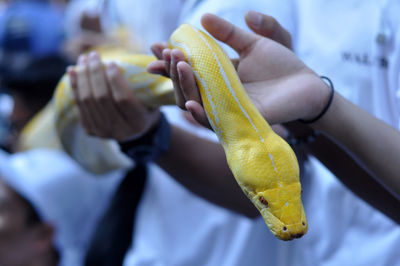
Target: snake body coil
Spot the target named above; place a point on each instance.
(263, 164)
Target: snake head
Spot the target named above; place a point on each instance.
(272, 184)
(283, 211)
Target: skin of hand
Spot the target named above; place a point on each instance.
(272, 91)
(107, 106)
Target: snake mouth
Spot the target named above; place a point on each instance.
(298, 235)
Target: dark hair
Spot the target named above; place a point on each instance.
(34, 79)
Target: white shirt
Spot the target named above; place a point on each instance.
(172, 225)
(175, 227)
(339, 39)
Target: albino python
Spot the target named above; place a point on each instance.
(263, 164)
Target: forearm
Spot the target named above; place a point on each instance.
(352, 175)
(358, 155)
(200, 165)
(373, 143)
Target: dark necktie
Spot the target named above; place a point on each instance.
(113, 235)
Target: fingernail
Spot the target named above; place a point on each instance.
(166, 54)
(254, 18)
(81, 60)
(69, 69)
(179, 70)
(94, 57)
(111, 68)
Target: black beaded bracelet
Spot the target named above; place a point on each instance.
(330, 83)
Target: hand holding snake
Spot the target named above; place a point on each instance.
(271, 74)
(108, 108)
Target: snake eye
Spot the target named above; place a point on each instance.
(284, 229)
(263, 201)
(303, 223)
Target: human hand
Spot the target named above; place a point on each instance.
(280, 85)
(107, 106)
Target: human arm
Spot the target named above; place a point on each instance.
(289, 91)
(108, 109)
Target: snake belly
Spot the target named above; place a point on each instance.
(263, 164)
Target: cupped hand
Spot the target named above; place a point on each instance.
(281, 86)
(107, 106)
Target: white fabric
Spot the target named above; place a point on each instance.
(339, 39)
(141, 17)
(175, 227)
(63, 194)
(235, 10)
(75, 11)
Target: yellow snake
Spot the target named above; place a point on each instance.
(263, 164)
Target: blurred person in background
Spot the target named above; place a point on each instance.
(49, 208)
(31, 61)
(49, 205)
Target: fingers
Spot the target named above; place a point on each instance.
(198, 113)
(73, 76)
(98, 92)
(119, 88)
(269, 27)
(182, 76)
(177, 56)
(158, 48)
(173, 65)
(118, 85)
(91, 119)
(240, 40)
(158, 68)
(187, 83)
(136, 117)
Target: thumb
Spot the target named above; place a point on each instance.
(224, 31)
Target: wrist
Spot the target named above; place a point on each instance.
(151, 123)
(151, 145)
(328, 122)
(326, 90)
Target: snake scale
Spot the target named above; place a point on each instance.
(262, 163)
